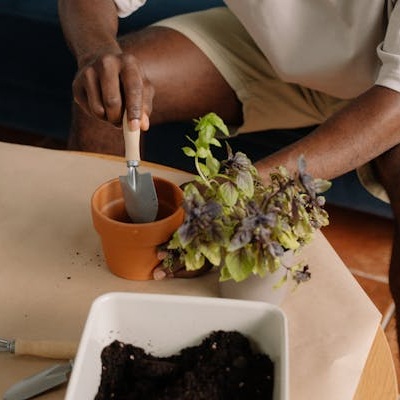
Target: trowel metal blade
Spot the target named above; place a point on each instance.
(141, 202)
(39, 383)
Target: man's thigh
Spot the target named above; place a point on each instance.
(186, 83)
(267, 101)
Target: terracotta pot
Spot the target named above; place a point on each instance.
(130, 249)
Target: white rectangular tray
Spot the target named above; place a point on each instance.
(164, 324)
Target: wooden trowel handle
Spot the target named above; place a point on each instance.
(132, 141)
(46, 348)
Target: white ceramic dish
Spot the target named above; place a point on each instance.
(164, 324)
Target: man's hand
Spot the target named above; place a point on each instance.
(110, 82)
(177, 269)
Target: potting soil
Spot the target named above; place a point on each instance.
(223, 367)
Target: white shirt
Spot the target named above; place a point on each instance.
(339, 47)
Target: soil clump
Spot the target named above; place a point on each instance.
(223, 366)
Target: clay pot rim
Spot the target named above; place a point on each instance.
(123, 225)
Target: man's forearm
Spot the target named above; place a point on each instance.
(361, 131)
(89, 26)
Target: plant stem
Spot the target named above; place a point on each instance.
(202, 176)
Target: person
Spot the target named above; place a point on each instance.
(259, 65)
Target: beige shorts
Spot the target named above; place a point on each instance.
(267, 101)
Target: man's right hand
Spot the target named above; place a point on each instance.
(111, 81)
(108, 80)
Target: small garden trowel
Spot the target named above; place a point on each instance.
(140, 195)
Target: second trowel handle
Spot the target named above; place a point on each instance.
(46, 348)
(132, 141)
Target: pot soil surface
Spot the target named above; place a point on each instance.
(223, 367)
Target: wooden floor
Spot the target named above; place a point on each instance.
(363, 242)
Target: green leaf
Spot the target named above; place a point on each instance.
(239, 265)
(175, 242)
(206, 134)
(203, 152)
(260, 266)
(212, 252)
(228, 193)
(194, 260)
(322, 185)
(189, 151)
(211, 120)
(204, 169)
(288, 240)
(224, 274)
(213, 165)
(244, 181)
(215, 142)
(192, 190)
(218, 123)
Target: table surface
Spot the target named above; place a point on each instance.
(28, 303)
(378, 380)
